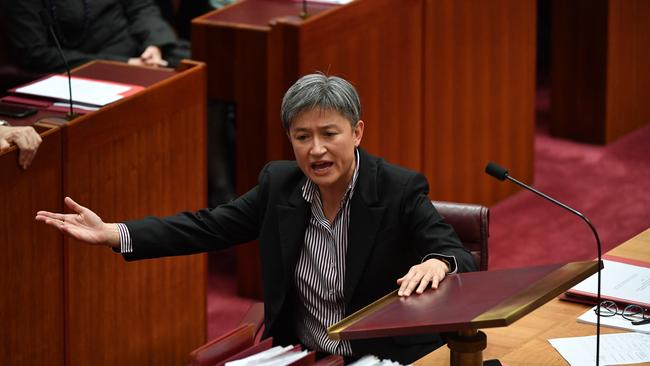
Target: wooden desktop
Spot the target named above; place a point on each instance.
(526, 341)
(64, 302)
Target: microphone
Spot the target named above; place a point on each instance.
(304, 14)
(501, 173)
(49, 23)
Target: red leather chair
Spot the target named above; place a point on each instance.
(472, 224)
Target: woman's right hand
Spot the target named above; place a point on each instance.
(84, 225)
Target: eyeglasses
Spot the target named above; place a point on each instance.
(634, 313)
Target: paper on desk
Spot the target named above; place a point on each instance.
(94, 92)
(615, 321)
(622, 281)
(615, 349)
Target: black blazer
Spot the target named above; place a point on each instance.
(393, 225)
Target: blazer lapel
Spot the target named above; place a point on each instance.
(365, 217)
(292, 222)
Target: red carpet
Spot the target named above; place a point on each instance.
(609, 184)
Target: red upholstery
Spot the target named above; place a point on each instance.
(471, 223)
(223, 347)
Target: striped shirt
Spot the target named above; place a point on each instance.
(320, 272)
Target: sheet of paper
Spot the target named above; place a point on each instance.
(620, 280)
(615, 321)
(261, 357)
(615, 349)
(98, 93)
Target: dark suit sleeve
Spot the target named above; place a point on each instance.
(147, 24)
(428, 231)
(31, 42)
(195, 232)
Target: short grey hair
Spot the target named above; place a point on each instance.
(317, 91)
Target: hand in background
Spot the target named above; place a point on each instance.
(153, 57)
(419, 276)
(27, 140)
(85, 225)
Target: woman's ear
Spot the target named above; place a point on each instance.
(358, 133)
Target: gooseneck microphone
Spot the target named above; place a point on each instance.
(501, 173)
(49, 23)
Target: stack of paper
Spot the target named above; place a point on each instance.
(374, 361)
(276, 356)
(86, 91)
(615, 349)
(623, 281)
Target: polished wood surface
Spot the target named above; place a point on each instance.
(526, 341)
(126, 166)
(31, 271)
(489, 299)
(600, 81)
(142, 155)
(479, 92)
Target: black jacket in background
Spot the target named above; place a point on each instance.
(89, 30)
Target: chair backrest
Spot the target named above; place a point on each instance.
(471, 223)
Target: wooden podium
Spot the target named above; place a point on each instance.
(445, 86)
(64, 302)
(465, 303)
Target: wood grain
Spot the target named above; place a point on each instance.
(31, 264)
(479, 89)
(145, 155)
(600, 81)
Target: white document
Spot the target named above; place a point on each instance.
(616, 321)
(370, 360)
(94, 92)
(620, 280)
(615, 349)
(261, 357)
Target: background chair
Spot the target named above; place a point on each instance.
(472, 224)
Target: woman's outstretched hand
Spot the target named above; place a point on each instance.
(84, 225)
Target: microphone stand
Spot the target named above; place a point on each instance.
(71, 114)
(304, 14)
(502, 174)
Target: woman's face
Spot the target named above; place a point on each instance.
(324, 145)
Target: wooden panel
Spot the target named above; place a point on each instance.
(600, 81)
(628, 74)
(578, 75)
(143, 155)
(479, 90)
(377, 46)
(31, 264)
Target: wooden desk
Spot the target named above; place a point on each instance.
(526, 341)
(31, 271)
(445, 85)
(145, 154)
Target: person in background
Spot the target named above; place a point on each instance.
(337, 228)
(131, 31)
(26, 139)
